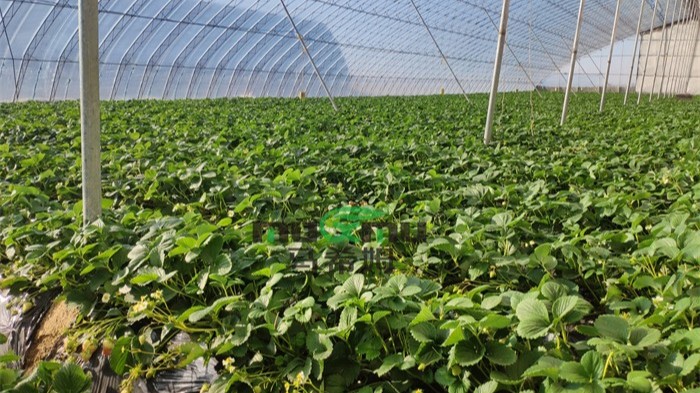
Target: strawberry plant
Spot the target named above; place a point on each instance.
(558, 259)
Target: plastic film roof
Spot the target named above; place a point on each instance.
(189, 48)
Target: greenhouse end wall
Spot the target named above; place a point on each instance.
(681, 64)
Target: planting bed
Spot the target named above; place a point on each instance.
(558, 259)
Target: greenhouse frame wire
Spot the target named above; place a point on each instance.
(206, 49)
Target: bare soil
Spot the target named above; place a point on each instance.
(48, 338)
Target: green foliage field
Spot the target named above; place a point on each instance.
(558, 259)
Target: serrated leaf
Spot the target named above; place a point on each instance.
(488, 387)
(534, 319)
(70, 378)
(389, 363)
(500, 354)
(612, 326)
(563, 306)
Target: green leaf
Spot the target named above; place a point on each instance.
(667, 247)
(563, 306)
(643, 337)
(500, 354)
(534, 319)
(319, 345)
(71, 379)
(467, 352)
(424, 332)
(121, 355)
(638, 381)
(488, 387)
(197, 313)
(353, 285)
(191, 351)
(690, 364)
(8, 378)
(612, 326)
(388, 364)
(212, 248)
(495, 322)
(424, 315)
(150, 274)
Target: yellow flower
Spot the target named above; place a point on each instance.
(299, 380)
(228, 365)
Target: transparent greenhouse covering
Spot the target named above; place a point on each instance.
(196, 49)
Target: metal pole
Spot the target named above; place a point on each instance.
(690, 29)
(612, 47)
(572, 68)
(90, 110)
(634, 52)
(311, 59)
(444, 58)
(658, 53)
(496, 71)
(676, 55)
(646, 57)
(582, 68)
(695, 49)
(554, 63)
(685, 46)
(520, 64)
(669, 40)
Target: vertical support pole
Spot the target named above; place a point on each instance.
(572, 68)
(646, 57)
(610, 54)
(503, 29)
(686, 62)
(675, 54)
(669, 40)
(442, 54)
(634, 51)
(685, 47)
(308, 54)
(90, 110)
(658, 54)
(695, 48)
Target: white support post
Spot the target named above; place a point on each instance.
(678, 64)
(502, 31)
(572, 68)
(677, 51)
(646, 57)
(308, 54)
(692, 50)
(685, 48)
(669, 41)
(634, 52)
(658, 54)
(90, 110)
(442, 54)
(695, 48)
(610, 54)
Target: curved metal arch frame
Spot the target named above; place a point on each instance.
(37, 38)
(228, 56)
(194, 41)
(143, 36)
(267, 58)
(219, 42)
(167, 43)
(281, 58)
(68, 49)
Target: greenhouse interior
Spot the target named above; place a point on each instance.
(366, 196)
